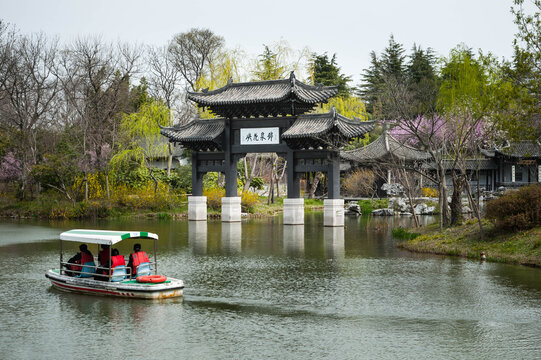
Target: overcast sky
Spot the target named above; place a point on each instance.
(351, 29)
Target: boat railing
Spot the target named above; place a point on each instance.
(97, 271)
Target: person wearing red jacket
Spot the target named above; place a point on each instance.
(81, 258)
(117, 259)
(138, 257)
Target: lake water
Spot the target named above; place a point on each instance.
(260, 289)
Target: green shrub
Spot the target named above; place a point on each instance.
(516, 210)
(257, 183)
(367, 206)
(404, 234)
(210, 180)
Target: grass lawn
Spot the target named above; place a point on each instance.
(523, 247)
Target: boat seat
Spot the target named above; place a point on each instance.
(119, 273)
(143, 269)
(88, 269)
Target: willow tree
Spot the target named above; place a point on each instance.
(144, 142)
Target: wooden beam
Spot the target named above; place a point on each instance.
(268, 148)
(282, 122)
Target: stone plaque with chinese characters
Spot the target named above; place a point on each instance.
(259, 136)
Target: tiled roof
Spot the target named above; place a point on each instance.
(519, 149)
(384, 147)
(263, 98)
(325, 130)
(197, 134)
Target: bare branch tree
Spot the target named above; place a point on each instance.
(192, 52)
(95, 78)
(29, 88)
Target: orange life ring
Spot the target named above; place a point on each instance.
(151, 279)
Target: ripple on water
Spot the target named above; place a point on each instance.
(263, 297)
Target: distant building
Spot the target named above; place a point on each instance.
(516, 164)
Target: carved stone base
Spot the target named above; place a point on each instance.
(197, 208)
(333, 212)
(294, 211)
(231, 209)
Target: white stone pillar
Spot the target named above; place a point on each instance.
(197, 208)
(231, 209)
(294, 211)
(333, 212)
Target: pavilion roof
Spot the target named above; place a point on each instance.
(263, 98)
(518, 149)
(198, 134)
(324, 130)
(384, 148)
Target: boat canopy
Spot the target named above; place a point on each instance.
(106, 237)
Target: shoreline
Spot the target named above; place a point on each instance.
(517, 248)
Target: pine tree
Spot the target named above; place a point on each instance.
(422, 80)
(389, 67)
(372, 81)
(392, 59)
(326, 72)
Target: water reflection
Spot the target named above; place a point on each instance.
(293, 240)
(232, 237)
(197, 236)
(334, 242)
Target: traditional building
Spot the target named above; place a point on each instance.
(267, 116)
(385, 149)
(516, 164)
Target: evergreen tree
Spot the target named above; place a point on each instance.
(525, 69)
(370, 88)
(327, 73)
(392, 60)
(389, 68)
(423, 81)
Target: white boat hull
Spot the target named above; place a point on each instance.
(126, 289)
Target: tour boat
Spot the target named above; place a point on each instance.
(118, 281)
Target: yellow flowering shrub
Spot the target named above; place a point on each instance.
(248, 200)
(214, 197)
(96, 187)
(429, 192)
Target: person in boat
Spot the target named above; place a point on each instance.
(104, 263)
(103, 255)
(106, 269)
(138, 257)
(81, 258)
(117, 259)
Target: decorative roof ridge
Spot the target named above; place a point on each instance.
(404, 145)
(385, 138)
(335, 115)
(292, 81)
(190, 123)
(509, 144)
(239, 84)
(369, 146)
